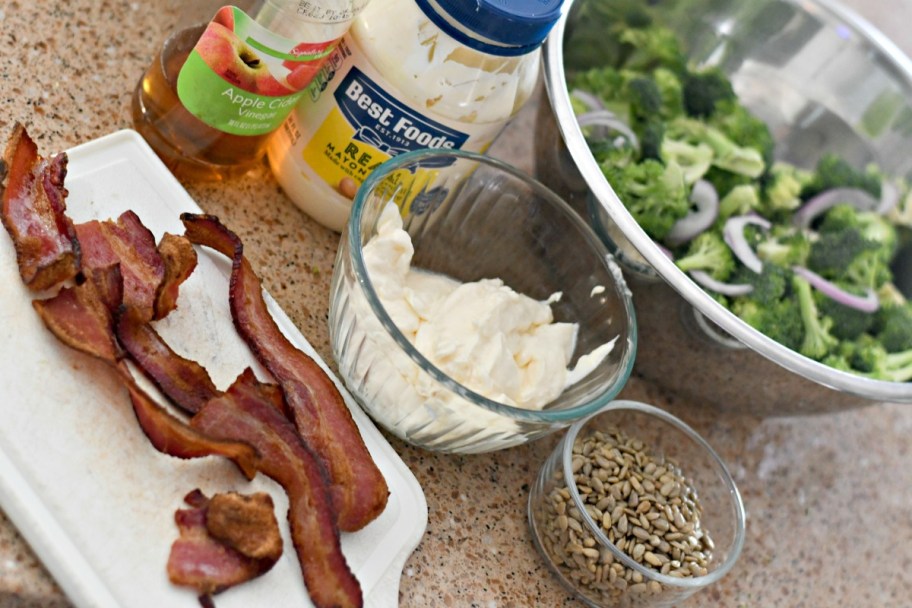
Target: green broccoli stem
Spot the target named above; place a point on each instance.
(897, 367)
(817, 340)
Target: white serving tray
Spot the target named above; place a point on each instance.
(82, 483)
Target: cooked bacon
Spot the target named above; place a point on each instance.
(358, 488)
(179, 258)
(185, 382)
(172, 436)
(211, 556)
(81, 318)
(248, 411)
(129, 243)
(33, 212)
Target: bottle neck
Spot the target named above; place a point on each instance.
(286, 17)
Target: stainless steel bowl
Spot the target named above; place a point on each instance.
(825, 80)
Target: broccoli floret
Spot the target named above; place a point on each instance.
(818, 341)
(770, 285)
(839, 217)
(856, 246)
(651, 47)
(708, 252)
(694, 159)
(743, 128)
(651, 134)
(704, 90)
(643, 95)
(654, 194)
(848, 323)
(608, 84)
(671, 90)
(833, 252)
(726, 154)
(780, 320)
(878, 229)
(889, 294)
(782, 189)
(732, 157)
(893, 327)
(872, 226)
(869, 269)
(740, 200)
(726, 181)
(833, 171)
(784, 246)
(869, 357)
(607, 151)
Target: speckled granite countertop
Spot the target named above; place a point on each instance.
(828, 498)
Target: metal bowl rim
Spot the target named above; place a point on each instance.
(559, 97)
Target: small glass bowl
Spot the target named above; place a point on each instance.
(571, 524)
(472, 217)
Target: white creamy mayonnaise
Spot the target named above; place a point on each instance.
(494, 341)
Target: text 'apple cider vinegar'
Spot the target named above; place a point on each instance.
(216, 91)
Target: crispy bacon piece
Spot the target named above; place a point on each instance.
(185, 382)
(33, 212)
(81, 318)
(129, 243)
(249, 411)
(172, 436)
(358, 488)
(179, 258)
(224, 541)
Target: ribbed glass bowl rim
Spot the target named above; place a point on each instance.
(566, 459)
(815, 371)
(356, 259)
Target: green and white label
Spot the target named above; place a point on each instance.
(242, 79)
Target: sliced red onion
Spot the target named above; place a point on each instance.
(858, 198)
(604, 118)
(706, 199)
(889, 196)
(590, 100)
(733, 233)
(726, 289)
(866, 303)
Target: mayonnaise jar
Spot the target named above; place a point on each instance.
(409, 74)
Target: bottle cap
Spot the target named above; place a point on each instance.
(499, 27)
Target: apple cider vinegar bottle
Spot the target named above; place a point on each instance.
(216, 91)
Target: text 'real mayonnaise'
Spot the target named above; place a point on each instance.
(409, 74)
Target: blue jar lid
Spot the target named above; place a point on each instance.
(499, 27)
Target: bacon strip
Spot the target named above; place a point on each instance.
(172, 436)
(129, 243)
(179, 259)
(358, 488)
(81, 318)
(248, 411)
(185, 382)
(33, 212)
(224, 541)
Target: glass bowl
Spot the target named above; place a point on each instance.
(824, 80)
(633, 462)
(472, 217)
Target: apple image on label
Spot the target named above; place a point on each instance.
(237, 63)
